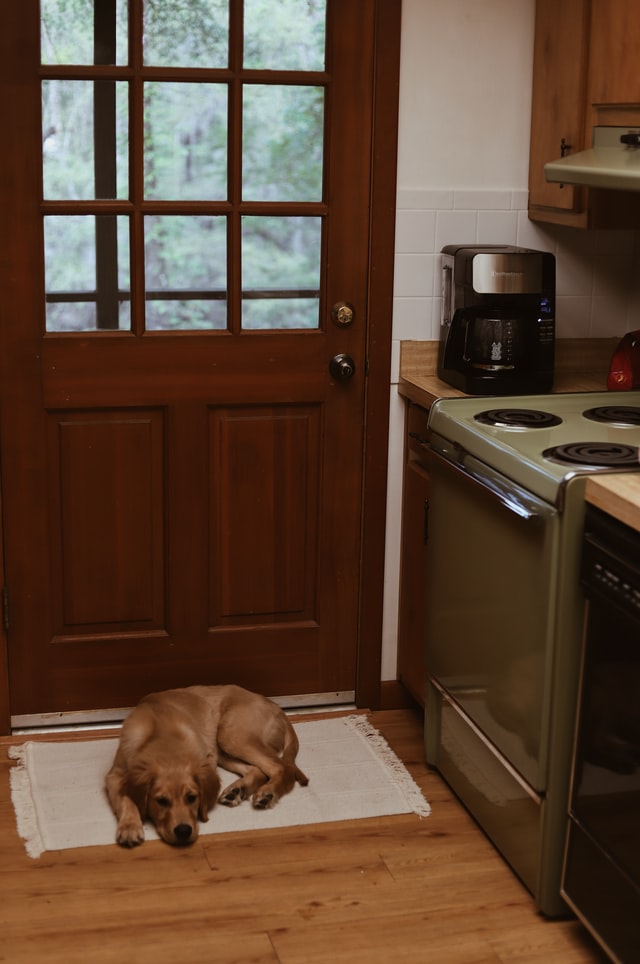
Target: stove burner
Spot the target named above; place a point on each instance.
(614, 414)
(596, 455)
(517, 418)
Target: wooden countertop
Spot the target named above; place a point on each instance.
(618, 495)
(581, 366)
(426, 389)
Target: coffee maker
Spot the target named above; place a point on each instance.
(498, 319)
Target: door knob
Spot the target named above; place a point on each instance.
(342, 367)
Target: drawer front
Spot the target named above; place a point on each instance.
(508, 814)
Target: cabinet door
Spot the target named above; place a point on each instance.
(413, 567)
(614, 78)
(413, 604)
(558, 106)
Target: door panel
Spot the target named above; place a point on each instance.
(265, 467)
(173, 442)
(107, 506)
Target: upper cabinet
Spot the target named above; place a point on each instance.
(614, 78)
(584, 73)
(559, 102)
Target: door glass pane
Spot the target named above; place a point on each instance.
(281, 272)
(186, 33)
(83, 31)
(87, 272)
(84, 139)
(185, 272)
(287, 35)
(282, 143)
(185, 154)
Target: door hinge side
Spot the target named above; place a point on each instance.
(5, 609)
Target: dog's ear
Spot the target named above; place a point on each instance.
(208, 782)
(138, 787)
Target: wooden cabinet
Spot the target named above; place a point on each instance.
(413, 560)
(584, 73)
(614, 78)
(558, 99)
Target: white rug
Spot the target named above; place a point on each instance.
(58, 793)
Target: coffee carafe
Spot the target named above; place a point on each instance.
(498, 319)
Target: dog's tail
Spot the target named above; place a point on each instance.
(289, 753)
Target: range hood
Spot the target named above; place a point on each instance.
(613, 161)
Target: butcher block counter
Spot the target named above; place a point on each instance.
(618, 495)
(581, 365)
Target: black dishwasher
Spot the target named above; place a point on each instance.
(602, 864)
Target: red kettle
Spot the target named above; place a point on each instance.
(624, 370)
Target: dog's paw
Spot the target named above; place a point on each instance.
(233, 795)
(130, 834)
(264, 800)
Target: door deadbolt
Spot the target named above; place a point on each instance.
(342, 367)
(343, 314)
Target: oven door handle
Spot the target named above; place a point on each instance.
(510, 495)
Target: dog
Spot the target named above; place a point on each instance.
(165, 768)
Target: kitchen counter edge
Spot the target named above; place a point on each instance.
(618, 495)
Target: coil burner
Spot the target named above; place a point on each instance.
(517, 418)
(622, 415)
(595, 455)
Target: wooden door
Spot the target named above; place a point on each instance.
(182, 473)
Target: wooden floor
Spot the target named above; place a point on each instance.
(391, 890)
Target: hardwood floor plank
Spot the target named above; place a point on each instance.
(403, 941)
(152, 943)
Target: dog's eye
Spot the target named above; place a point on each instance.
(191, 797)
(163, 801)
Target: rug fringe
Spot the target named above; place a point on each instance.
(409, 788)
(26, 818)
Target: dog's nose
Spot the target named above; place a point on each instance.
(182, 832)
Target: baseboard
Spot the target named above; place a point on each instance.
(393, 696)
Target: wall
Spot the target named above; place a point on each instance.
(465, 103)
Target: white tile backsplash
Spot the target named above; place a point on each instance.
(414, 274)
(415, 231)
(410, 318)
(597, 272)
(455, 227)
(482, 200)
(498, 224)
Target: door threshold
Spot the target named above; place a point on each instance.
(105, 719)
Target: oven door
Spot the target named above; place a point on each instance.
(493, 551)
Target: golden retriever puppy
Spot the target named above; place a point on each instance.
(165, 768)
